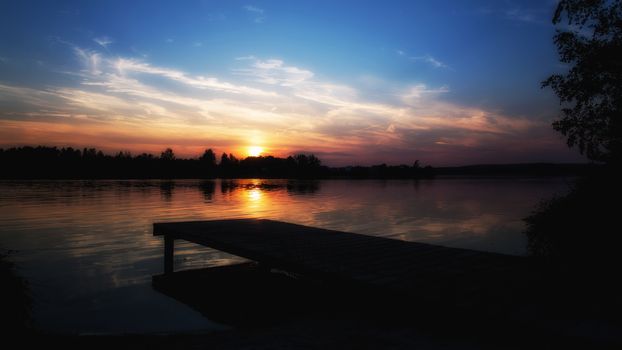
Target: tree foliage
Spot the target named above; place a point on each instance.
(167, 155)
(208, 158)
(589, 41)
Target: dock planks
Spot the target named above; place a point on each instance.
(345, 257)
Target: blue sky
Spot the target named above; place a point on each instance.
(356, 82)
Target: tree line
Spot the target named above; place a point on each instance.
(43, 162)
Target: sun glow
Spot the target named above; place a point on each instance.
(254, 151)
(254, 195)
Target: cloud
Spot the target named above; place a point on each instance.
(286, 106)
(275, 72)
(258, 12)
(89, 59)
(253, 9)
(525, 15)
(103, 41)
(125, 66)
(516, 13)
(244, 58)
(430, 60)
(421, 90)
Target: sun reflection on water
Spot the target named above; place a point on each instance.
(254, 195)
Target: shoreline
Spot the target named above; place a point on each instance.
(338, 326)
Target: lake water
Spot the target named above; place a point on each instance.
(87, 250)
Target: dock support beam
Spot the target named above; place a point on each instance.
(169, 249)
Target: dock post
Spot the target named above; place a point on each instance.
(169, 249)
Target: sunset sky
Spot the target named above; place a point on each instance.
(355, 82)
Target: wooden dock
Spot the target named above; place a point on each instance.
(381, 278)
(355, 259)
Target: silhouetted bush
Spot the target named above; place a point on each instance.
(577, 238)
(580, 229)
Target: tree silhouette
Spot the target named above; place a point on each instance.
(302, 160)
(233, 160)
(68, 163)
(224, 160)
(167, 155)
(208, 158)
(577, 233)
(314, 161)
(591, 91)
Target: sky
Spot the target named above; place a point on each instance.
(354, 82)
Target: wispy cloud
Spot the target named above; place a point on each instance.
(274, 71)
(516, 12)
(430, 60)
(90, 59)
(253, 9)
(419, 91)
(103, 41)
(525, 15)
(258, 12)
(244, 58)
(124, 66)
(286, 106)
(427, 58)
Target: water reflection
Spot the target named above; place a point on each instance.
(303, 186)
(87, 248)
(254, 195)
(166, 190)
(208, 188)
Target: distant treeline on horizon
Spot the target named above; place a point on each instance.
(43, 162)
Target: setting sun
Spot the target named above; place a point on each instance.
(254, 151)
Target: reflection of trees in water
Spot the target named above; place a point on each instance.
(166, 189)
(303, 187)
(208, 188)
(227, 186)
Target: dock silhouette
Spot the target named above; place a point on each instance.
(429, 272)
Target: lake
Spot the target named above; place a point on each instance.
(87, 250)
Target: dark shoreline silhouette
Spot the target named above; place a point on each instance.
(41, 162)
(519, 169)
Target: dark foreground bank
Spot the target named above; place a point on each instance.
(273, 310)
(15, 301)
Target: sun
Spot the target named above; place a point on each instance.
(254, 151)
